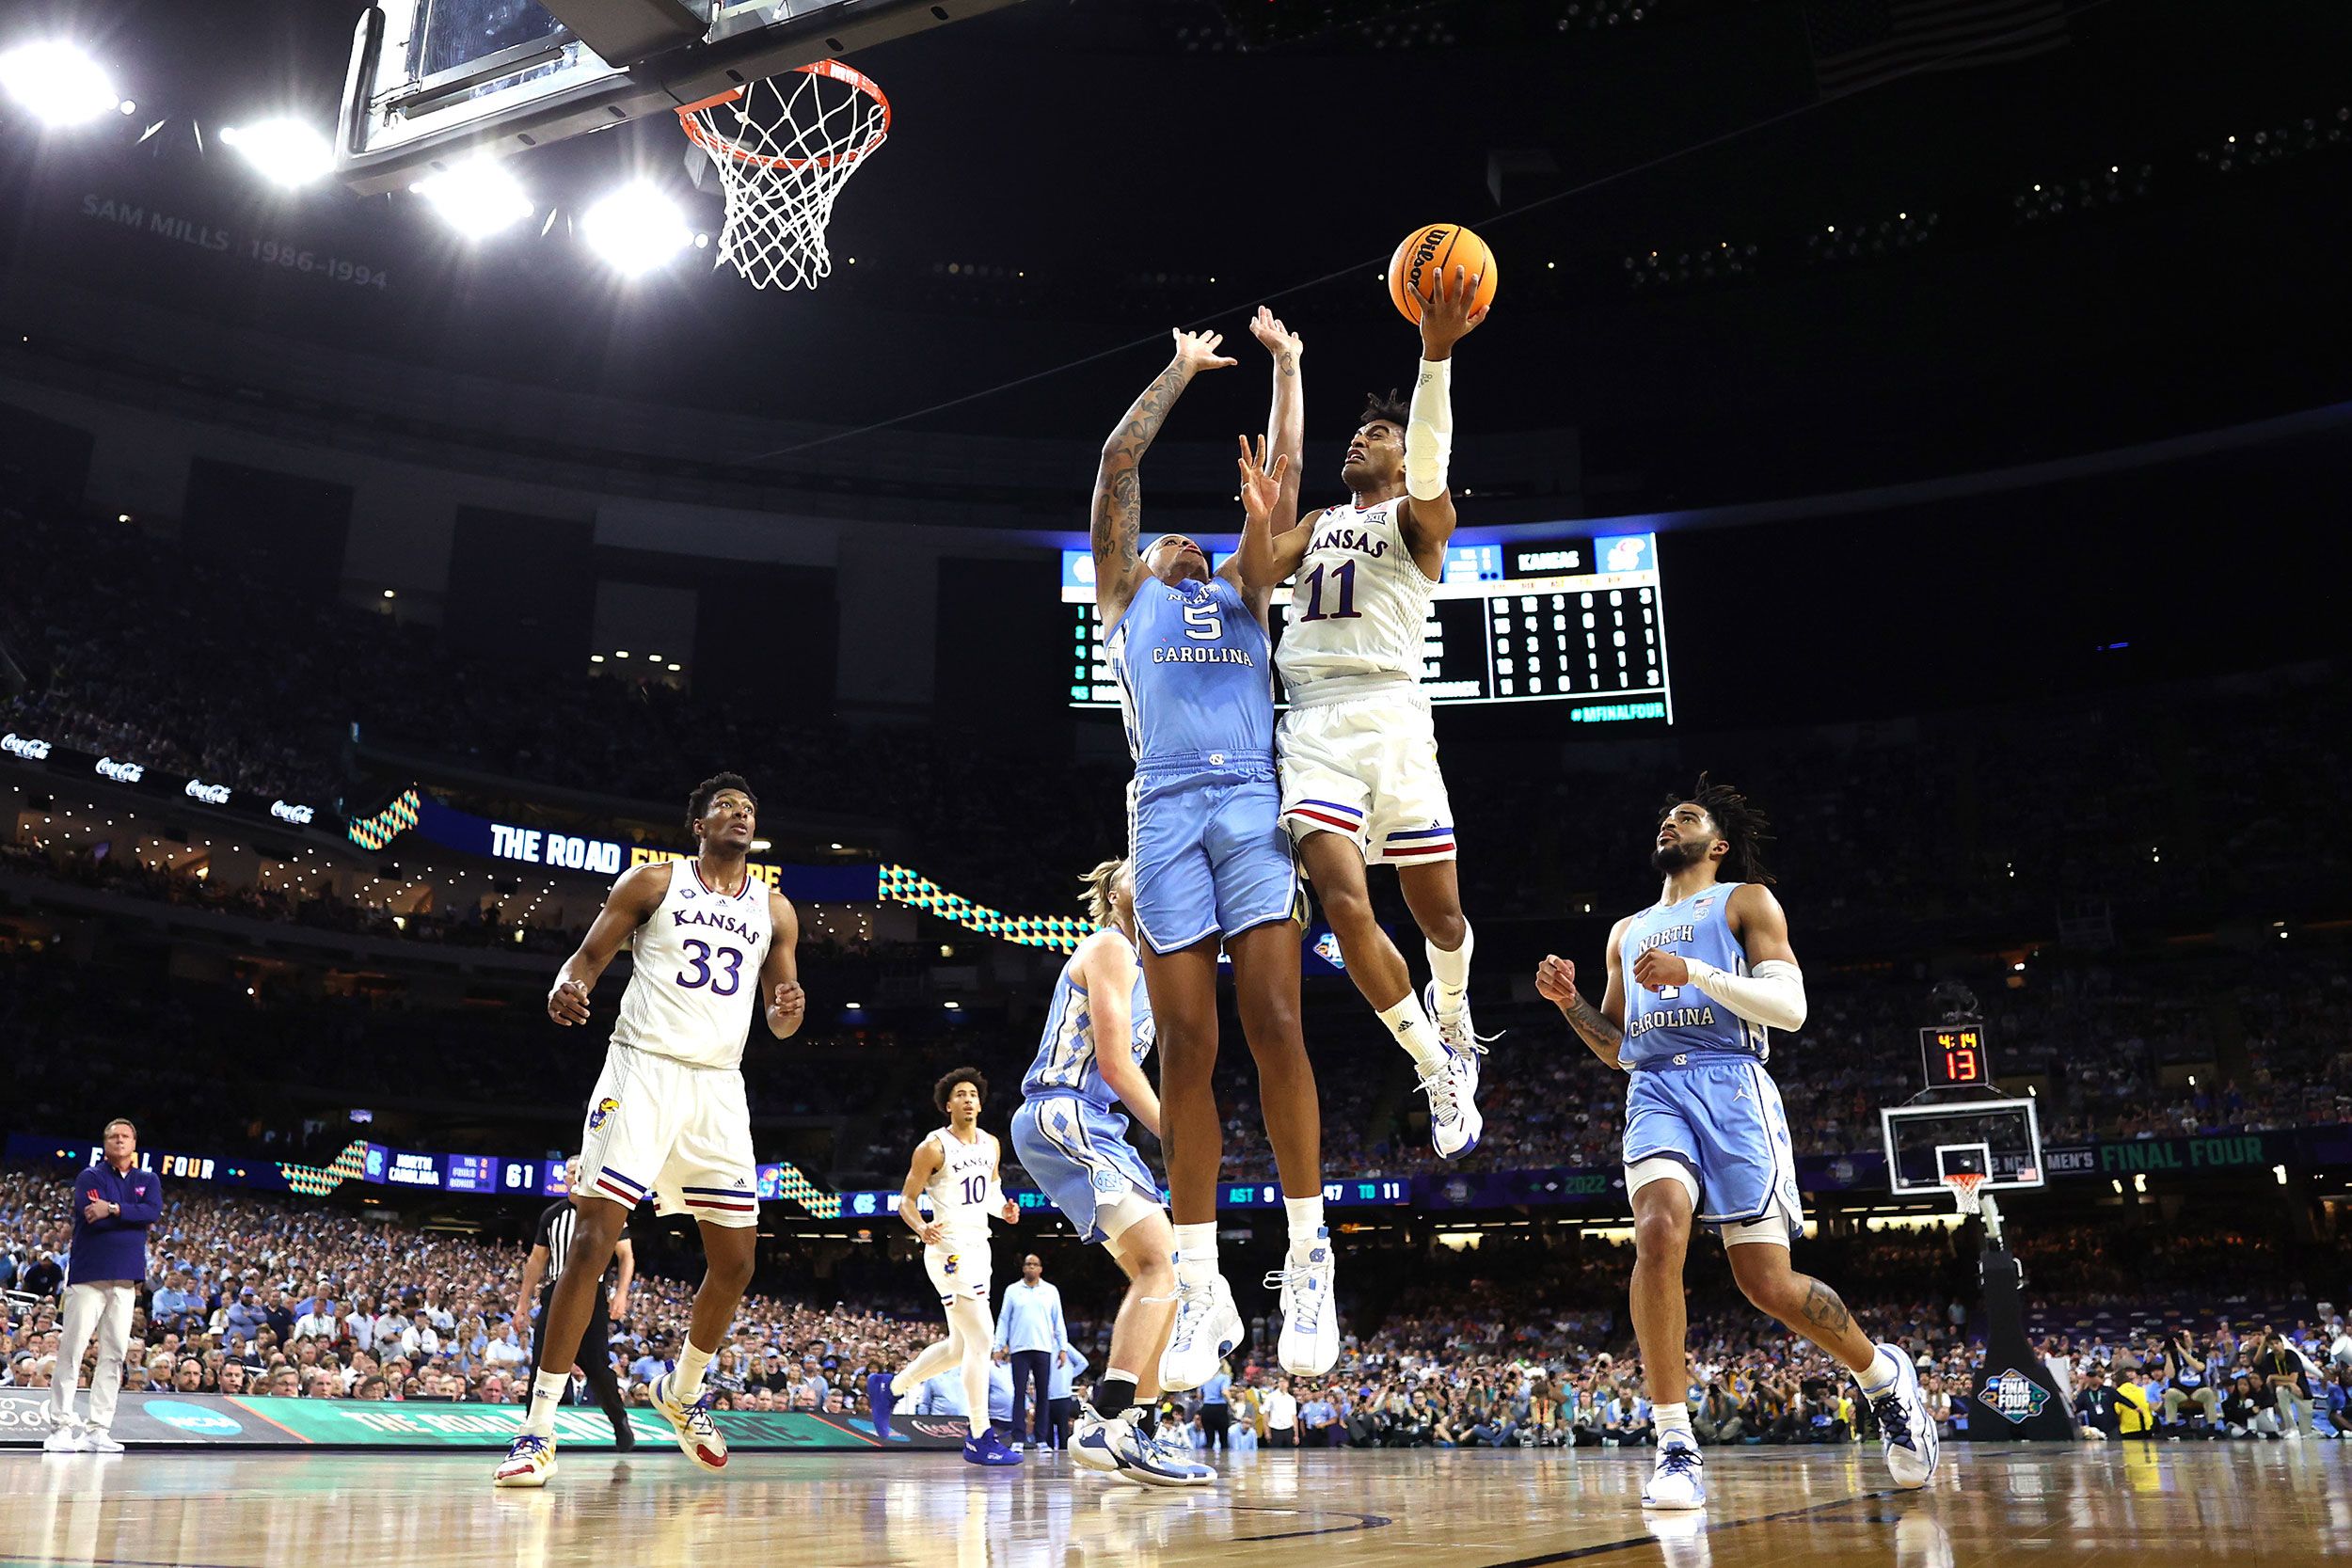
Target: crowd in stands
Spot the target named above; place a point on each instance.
(1526, 1348)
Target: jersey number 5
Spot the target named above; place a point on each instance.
(1205, 623)
(721, 983)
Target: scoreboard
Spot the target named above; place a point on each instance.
(1955, 1056)
(1577, 619)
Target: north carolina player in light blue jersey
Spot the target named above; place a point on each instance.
(1694, 982)
(1072, 1138)
(1212, 864)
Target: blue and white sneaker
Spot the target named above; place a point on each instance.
(1119, 1446)
(1677, 1480)
(881, 1401)
(697, 1433)
(988, 1449)
(1907, 1434)
(1310, 1341)
(1207, 1328)
(1455, 1122)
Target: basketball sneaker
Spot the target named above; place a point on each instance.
(988, 1449)
(1207, 1328)
(1676, 1480)
(882, 1402)
(98, 1440)
(1118, 1445)
(1907, 1433)
(529, 1461)
(1454, 1124)
(697, 1433)
(66, 1438)
(1310, 1341)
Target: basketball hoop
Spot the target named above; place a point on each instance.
(1967, 1189)
(783, 149)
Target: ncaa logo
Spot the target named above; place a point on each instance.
(605, 1107)
(2014, 1397)
(194, 1417)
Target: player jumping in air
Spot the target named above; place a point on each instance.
(957, 1166)
(1072, 1142)
(1360, 784)
(1191, 652)
(1694, 982)
(668, 1119)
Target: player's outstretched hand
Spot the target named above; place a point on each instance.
(567, 1004)
(789, 1000)
(1278, 340)
(1197, 351)
(1555, 980)
(1657, 969)
(1011, 1212)
(1261, 485)
(1446, 317)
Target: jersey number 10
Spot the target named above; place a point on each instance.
(724, 983)
(974, 1188)
(1342, 588)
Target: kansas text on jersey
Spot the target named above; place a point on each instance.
(697, 977)
(1360, 607)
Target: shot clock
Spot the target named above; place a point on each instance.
(1956, 1056)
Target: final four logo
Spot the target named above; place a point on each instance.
(2014, 1395)
(605, 1107)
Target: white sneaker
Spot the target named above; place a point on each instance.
(530, 1460)
(98, 1440)
(1207, 1328)
(1907, 1433)
(64, 1439)
(1310, 1341)
(1454, 1124)
(2294, 1434)
(1120, 1447)
(1677, 1480)
(697, 1433)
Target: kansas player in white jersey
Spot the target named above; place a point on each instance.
(1072, 1138)
(1695, 981)
(1360, 784)
(959, 1169)
(668, 1121)
(1212, 868)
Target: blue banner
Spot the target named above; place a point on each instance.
(521, 845)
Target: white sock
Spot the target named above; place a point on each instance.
(1306, 1217)
(1453, 971)
(688, 1386)
(1882, 1375)
(547, 1391)
(1196, 1253)
(1671, 1418)
(1410, 1024)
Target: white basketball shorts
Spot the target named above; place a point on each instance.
(958, 1267)
(678, 1134)
(1367, 769)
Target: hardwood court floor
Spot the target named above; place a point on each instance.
(2273, 1503)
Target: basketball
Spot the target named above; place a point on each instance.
(1431, 252)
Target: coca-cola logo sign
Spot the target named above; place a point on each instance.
(25, 746)
(212, 794)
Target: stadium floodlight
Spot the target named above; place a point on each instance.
(477, 197)
(59, 83)
(285, 151)
(637, 229)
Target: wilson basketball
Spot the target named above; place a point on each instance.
(1431, 252)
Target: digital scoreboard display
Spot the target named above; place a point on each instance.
(1955, 1056)
(1577, 619)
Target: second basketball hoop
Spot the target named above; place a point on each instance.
(783, 149)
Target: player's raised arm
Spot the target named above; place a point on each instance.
(786, 1003)
(1446, 318)
(1118, 483)
(1108, 969)
(919, 1173)
(1271, 552)
(629, 905)
(1601, 1028)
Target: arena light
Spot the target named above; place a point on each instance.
(479, 197)
(283, 151)
(636, 228)
(57, 83)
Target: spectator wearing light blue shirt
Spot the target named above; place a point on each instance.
(1217, 1414)
(1030, 1326)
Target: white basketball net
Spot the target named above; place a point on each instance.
(783, 149)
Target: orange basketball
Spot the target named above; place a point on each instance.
(1431, 252)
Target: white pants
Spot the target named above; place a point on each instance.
(103, 1308)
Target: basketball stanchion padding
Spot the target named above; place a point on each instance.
(783, 148)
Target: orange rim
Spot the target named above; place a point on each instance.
(719, 147)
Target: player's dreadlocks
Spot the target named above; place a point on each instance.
(1392, 408)
(1741, 826)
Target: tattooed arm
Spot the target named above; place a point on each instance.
(1601, 1028)
(1117, 484)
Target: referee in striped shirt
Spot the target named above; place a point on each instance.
(550, 1247)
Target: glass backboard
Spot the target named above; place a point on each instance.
(1999, 1139)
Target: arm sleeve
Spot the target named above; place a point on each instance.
(1772, 996)
(144, 1210)
(1430, 430)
